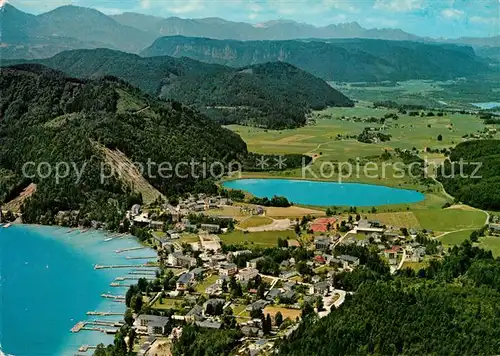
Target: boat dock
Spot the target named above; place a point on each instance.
(78, 327)
(143, 273)
(104, 313)
(98, 326)
(142, 258)
(122, 266)
(116, 324)
(130, 249)
(114, 284)
(116, 297)
(148, 277)
(85, 348)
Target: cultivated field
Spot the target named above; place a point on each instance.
(254, 221)
(450, 219)
(292, 314)
(257, 239)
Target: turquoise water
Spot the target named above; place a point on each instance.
(48, 284)
(487, 106)
(326, 193)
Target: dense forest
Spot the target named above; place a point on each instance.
(350, 60)
(271, 95)
(47, 117)
(448, 308)
(477, 180)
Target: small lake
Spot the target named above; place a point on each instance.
(487, 106)
(326, 193)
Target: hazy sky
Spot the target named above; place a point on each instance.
(435, 18)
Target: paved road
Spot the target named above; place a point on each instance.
(337, 303)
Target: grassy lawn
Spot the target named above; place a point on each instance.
(168, 303)
(415, 265)
(405, 218)
(456, 238)
(232, 211)
(491, 243)
(257, 239)
(201, 286)
(255, 221)
(189, 238)
(450, 219)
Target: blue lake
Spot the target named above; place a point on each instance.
(48, 283)
(326, 193)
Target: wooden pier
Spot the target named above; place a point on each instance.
(116, 297)
(104, 313)
(118, 285)
(148, 277)
(116, 324)
(144, 273)
(130, 249)
(123, 266)
(85, 348)
(78, 327)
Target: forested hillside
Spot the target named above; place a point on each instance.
(348, 60)
(448, 308)
(272, 95)
(477, 183)
(48, 117)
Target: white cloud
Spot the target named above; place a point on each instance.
(483, 20)
(253, 16)
(399, 5)
(145, 4)
(180, 6)
(345, 5)
(452, 13)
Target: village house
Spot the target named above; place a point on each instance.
(347, 260)
(246, 274)
(156, 225)
(178, 259)
(198, 273)
(368, 227)
(185, 281)
(214, 289)
(494, 229)
(210, 228)
(321, 288)
(253, 263)
(151, 324)
(211, 305)
(273, 294)
(228, 269)
(258, 305)
(195, 314)
(392, 254)
(322, 243)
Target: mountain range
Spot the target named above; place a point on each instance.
(351, 60)
(273, 95)
(71, 27)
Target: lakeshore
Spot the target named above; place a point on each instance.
(53, 288)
